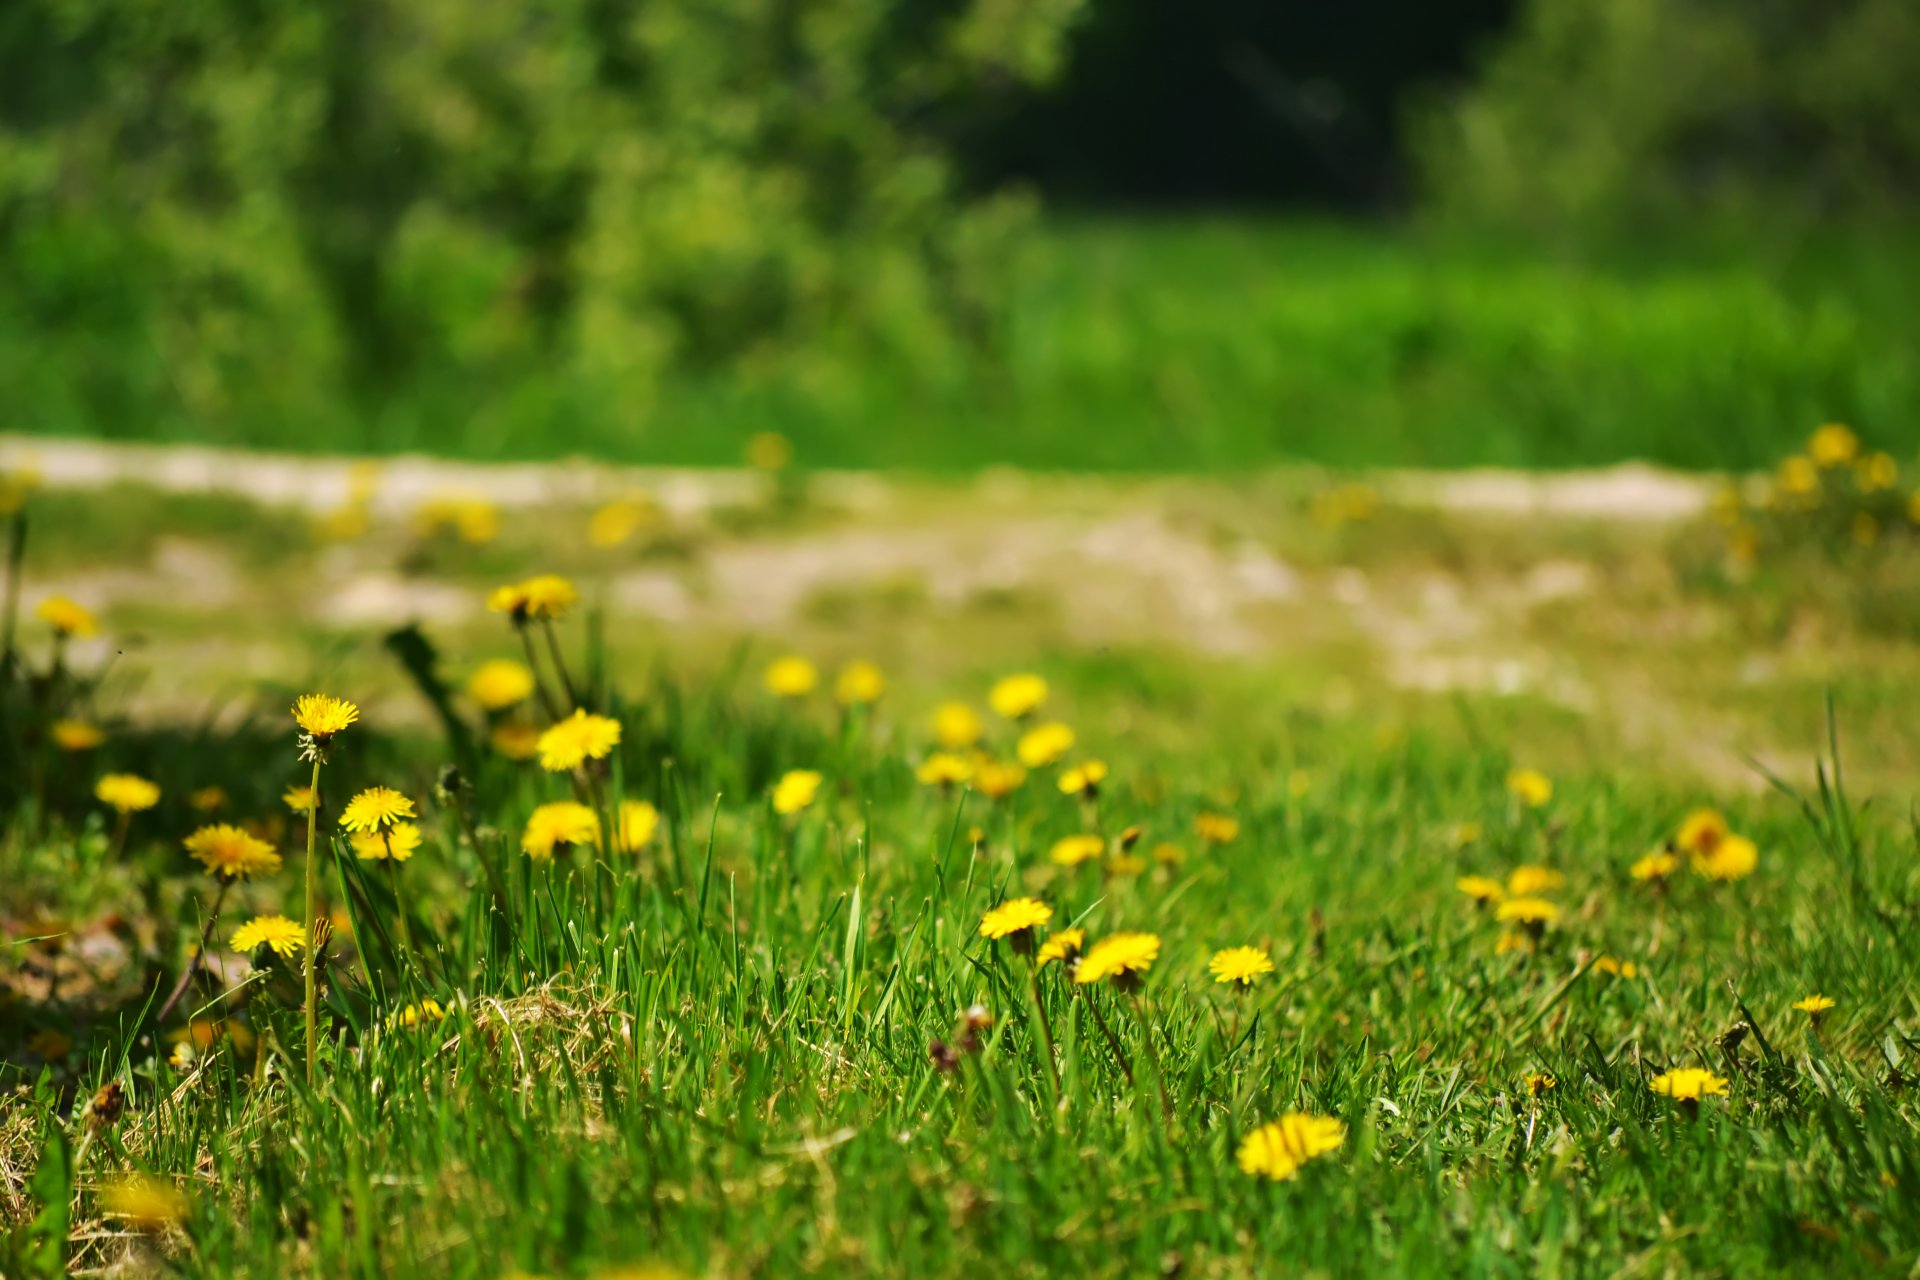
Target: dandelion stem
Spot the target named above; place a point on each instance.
(1046, 1027)
(1113, 1041)
(547, 703)
(559, 663)
(199, 955)
(313, 933)
(399, 906)
(1144, 1012)
(119, 844)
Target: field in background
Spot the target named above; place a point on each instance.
(1183, 346)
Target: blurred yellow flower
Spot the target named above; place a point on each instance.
(1239, 964)
(1814, 1005)
(1733, 858)
(791, 677)
(1121, 956)
(859, 684)
(956, 725)
(1279, 1149)
(126, 792)
(1657, 865)
(1531, 881)
(1833, 445)
(795, 790)
(558, 826)
(226, 850)
(1299, 782)
(1539, 1082)
(1216, 828)
(500, 684)
(397, 844)
(1126, 864)
(638, 823)
(414, 1015)
(1044, 744)
(1700, 831)
(1482, 889)
(1063, 944)
(1084, 779)
(143, 1202)
(322, 715)
(474, 519)
(1617, 967)
(298, 798)
(1018, 696)
(1071, 851)
(207, 799)
(1167, 854)
(66, 617)
(1688, 1084)
(374, 808)
(515, 741)
(76, 735)
(769, 451)
(997, 779)
(1877, 472)
(617, 521)
(1529, 786)
(546, 596)
(1534, 913)
(578, 738)
(944, 769)
(277, 933)
(1015, 916)
(1798, 478)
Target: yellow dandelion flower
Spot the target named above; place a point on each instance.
(1071, 851)
(515, 741)
(1084, 779)
(1814, 1005)
(1688, 1084)
(1279, 1149)
(1513, 940)
(1877, 472)
(956, 725)
(795, 791)
(791, 677)
(1617, 967)
(560, 825)
(1239, 964)
(1657, 865)
(413, 1015)
(277, 933)
(144, 1203)
(1044, 744)
(1734, 858)
(226, 850)
(859, 684)
(374, 808)
(1532, 881)
(1534, 912)
(1017, 697)
(126, 792)
(298, 798)
(577, 739)
(1539, 1082)
(322, 715)
(1062, 944)
(1482, 889)
(997, 779)
(617, 521)
(1167, 854)
(1833, 445)
(1701, 831)
(1216, 828)
(1121, 865)
(546, 596)
(1015, 916)
(1530, 787)
(769, 451)
(76, 735)
(207, 799)
(500, 684)
(638, 823)
(67, 618)
(1122, 957)
(396, 844)
(944, 769)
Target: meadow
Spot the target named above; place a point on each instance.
(1259, 876)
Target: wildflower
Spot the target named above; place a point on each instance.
(1044, 744)
(1015, 920)
(997, 779)
(1540, 1082)
(1216, 828)
(76, 735)
(1530, 787)
(1126, 864)
(1877, 472)
(1017, 697)
(500, 684)
(791, 677)
(1239, 964)
(1063, 944)
(1071, 851)
(558, 826)
(277, 933)
(1618, 968)
(1482, 889)
(617, 521)
(397, 844)
(1833, 445)
(1513, 940)
(1084, 779)
(375, 808)
(578, 738)
(1167, 854)
(1531, 881)
(1657, 865)
(298, 798)
(638, 822)
(207, 800)
(428, 1010)
(515, 741)
(1299, 782)
(545, 597)
(144, 1203)
(1277, 1150)
(1531, 913)
(944, 769)
(1464, 834)
(1814, 1005)
(321, 716)
(795, 790)
(1701, 831)
(859, 684)
(1122, 957)
(768, 451)
(226, 850)
(956, 725)
(67, 618)
(1799, 479)
(1688, 1084)
(126, 792)
(1734, 858)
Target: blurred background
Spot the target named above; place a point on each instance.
(943, 234)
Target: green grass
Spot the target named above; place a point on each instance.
(1175, 345)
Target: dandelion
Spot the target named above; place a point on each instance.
(398, 844)
(1084, 780)
(1482, 889)
(638, 822)
(577, 739)
(321, 716)
(1015, 920)
(997, 779)
(1071, 851)
(1299, 783)
(1657, 865)
(1044, 744)
(956, 725)
(795, 791)
(944, 769)
(1701, 831)
(297, 798)
(1531, 881)
(1123, 957)
(859, 684)
(1121, 865)
(276, 933)
(1018, 696)
(144, 1203)
(617, 521)
(515, 741)
(500, 684)
(1540, 1082)
(1062, 945)
(207, 800)
(374, 809)
(67, 618)
(126, 793)
(1617, 967)
(769, 451)
(76, 735)
(1833, 445)
(1239, 964)
(1530, 787)
(791, 677)
(1279, 1149)
(1216, 828)
(1533, 914)
(546, 597)
(557, 827)
(1814, 1005)
(226, 850)
(1877, 472)
(1734, 858)
(1688, 1084)
(1167, 854)
(414, 1015)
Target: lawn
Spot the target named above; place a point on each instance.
(735, 1023)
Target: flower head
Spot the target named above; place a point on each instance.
(1044, 744)
(795, 790)
(1216, 828)
(1062, 944)
(500, 684)
(1530, 787)
(126, 792)
(76, 735)
(1833, 444)
(1482, 889)
(578, 738)
(638, 822)
(1018, 696)
(298, 798)
(413, 1015)
(374, 809)
(1814, 1005)
(1240, 964)
(1015, 919)
(277, 933)
(559, 825)
(1277, 1150)
(956, 725)
(997, 779)
(1122, 957)
(1084, 779)
(1540, 1082)
(769, 451)
(207, 799)
(396, 844)
(1657, 865)
(226, 850)
(791, 677)
(144, 1202)
(859, 684)
(1733, 858)
(322, 715)
(944, 769)
(1071, 851)
(1529, 881)
(1701, 831)
(515, 740)
(1688, 1084)
(67, 618)
(1535, 913)
(547, 596)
